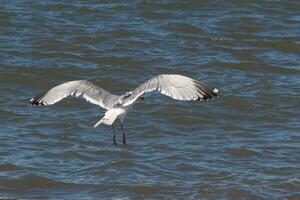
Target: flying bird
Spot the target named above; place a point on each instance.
(173, 85)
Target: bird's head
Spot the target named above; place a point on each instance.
(126, 95)
(123, 97)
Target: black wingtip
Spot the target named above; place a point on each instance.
(36, 101)
(213, 93)
(216, 92)
(207, 92)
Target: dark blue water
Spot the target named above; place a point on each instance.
(243, 145)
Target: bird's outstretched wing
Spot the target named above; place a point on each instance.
(86, 89)
(175, 86)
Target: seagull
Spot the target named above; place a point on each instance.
(176, 86)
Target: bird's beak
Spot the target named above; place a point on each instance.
(141, 97)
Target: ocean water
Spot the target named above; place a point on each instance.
(243, 145)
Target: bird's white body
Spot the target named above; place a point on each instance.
(114, 114)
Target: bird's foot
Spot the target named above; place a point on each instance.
(124, 140)
(114, 140)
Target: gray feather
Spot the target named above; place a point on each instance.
(86, 89)
(175, 86)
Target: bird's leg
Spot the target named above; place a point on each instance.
(123, 134)
(114, 136)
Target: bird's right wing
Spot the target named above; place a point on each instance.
(175, 86)
(86, 89)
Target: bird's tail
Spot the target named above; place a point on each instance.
(109, 118)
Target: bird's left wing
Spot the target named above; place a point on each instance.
(86, 89)
(175, 86)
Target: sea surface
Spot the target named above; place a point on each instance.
(243, 145)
